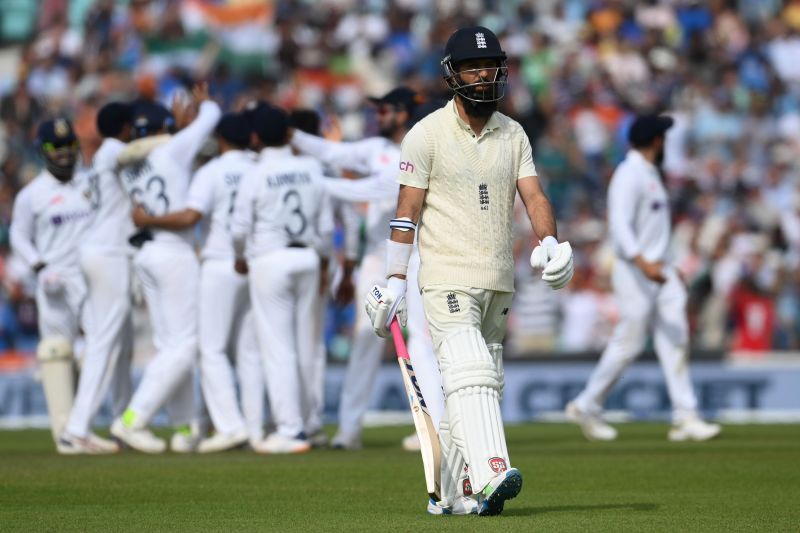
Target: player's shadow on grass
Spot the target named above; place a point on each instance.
(526, 511)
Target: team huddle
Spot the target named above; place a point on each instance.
(256, 291)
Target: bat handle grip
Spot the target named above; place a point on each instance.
(399, 343)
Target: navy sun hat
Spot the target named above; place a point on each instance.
(235, 129)
(646, 128)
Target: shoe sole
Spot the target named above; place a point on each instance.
(689, 438)
(219, 449)
(121, 437)
(507, 490)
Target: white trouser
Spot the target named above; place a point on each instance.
(59, 313)
(642, 303)
(109, 337)
(467, 326)
(316, 378)
(284, 293)
(367, 349)
(169, 277)
(249, 370)
(365, 352)
(223, 303)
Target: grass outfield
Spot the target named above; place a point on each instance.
(748, 480)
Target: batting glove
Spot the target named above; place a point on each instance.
(384, 303)
(555, 260)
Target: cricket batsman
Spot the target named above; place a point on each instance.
(460, 170)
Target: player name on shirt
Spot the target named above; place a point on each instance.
(289, 178)
(132, 173)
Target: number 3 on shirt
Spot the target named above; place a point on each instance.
(156, 191)
(297, 223)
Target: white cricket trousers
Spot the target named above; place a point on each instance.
(109, 337)
(223, 303)
(367, 349)
(249, 370)
(284, 293)
(644, 303)
(169, 275)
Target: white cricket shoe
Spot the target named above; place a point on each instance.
(462, 506)
(92, 445)
(221, 442)
(108, 445)
(693, 428)
(344, 442)
(593, 427)
(277, 443)
(184, 442)
(504, 486)
(411, 443)
(138, 439)
(318, 439)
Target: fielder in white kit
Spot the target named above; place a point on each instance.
(50, 217)
(377, 157)
(282, 218)
(224, 298)
(648, 288)
(105, 262)
(168, 270)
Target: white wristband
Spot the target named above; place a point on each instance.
(397, 256)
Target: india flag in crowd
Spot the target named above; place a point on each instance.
(239, 25)
(236, 33)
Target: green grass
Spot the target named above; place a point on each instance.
(748, 480)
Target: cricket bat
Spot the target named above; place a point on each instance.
(428, 437)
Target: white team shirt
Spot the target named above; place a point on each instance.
(374, 156)
(50, 219)
(638, 210)
(160, 183)
(282, 201)
(112, 223)
(213, 193)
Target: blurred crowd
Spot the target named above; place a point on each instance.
(727, 71)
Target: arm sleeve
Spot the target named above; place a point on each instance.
(139, 149)
(370, 189)
(325, 226)
(351, 221)
(416, 157)
(185, 144)
(350, 155)
(201, 192)
(22, 229)
(526, 166)
(105, 159)
(622, 201)
(242, 219)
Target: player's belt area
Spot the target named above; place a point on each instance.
(296, 245)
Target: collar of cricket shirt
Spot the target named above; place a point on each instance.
(492, 124)
(637, 158)
(279, 151)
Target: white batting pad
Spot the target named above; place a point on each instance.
(472, 387)
(58, 380)
(497, 354)
(453, 468)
